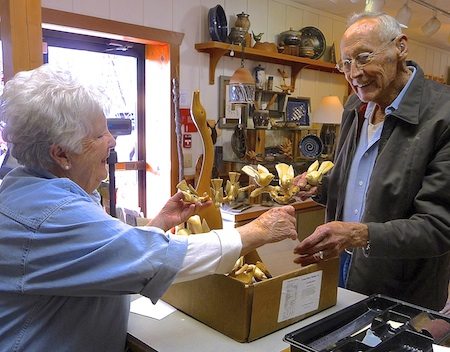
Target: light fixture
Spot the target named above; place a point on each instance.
(329, 111)
(404, 15)
(242, 86)
(432, 26)
(329, 114)
(374, 6)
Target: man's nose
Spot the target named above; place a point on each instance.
(355, 70)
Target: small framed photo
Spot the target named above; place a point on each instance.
(298, 111)
(230, 114)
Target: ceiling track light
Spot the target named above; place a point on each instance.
(432, 7)
(404, 15)
(374, 5)
(432, 26)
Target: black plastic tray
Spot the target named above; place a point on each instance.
(398, 326)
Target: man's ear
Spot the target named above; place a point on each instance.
(403, 47)
(59, 155)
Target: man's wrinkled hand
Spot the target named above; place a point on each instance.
(329, 240)
(306, 190)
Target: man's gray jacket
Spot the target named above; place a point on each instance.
(407, 207)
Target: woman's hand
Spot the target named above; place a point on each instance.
(329, 240)
(175, 212)
(274, 225)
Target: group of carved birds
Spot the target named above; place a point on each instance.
(283, 193)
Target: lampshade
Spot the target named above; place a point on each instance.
(374, 6)
(242, 87)
(329, 111)
(404, 15)
(432, 26)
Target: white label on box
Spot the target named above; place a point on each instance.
(300, 295)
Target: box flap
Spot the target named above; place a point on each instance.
(279, 257)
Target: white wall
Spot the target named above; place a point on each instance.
(268, 16)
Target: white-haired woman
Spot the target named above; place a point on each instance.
(65, 265)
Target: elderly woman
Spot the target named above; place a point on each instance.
(66, 266)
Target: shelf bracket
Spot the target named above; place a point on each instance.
(295, 70)
(214, 57)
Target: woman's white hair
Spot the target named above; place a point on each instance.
(47, 106)
(389, 26)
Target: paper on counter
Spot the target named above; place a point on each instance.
(437, 348)
(144, 306)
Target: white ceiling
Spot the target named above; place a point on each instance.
(420, 15)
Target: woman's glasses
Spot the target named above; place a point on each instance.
(362, 59)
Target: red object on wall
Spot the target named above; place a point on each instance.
(187, 141)
(186, 121)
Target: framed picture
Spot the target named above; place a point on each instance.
(229, 114)
(298, 110)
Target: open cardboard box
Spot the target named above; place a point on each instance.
(247, 312)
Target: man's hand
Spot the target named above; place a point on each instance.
(446, 309)
(176, 211)
(329, 240)
(306, 190)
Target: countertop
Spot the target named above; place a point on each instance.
(179, 332)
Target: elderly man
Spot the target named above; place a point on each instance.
(388, 197)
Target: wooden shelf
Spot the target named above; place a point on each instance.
(217, 50)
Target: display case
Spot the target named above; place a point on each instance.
(376, 324)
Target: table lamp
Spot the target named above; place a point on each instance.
(329, 114)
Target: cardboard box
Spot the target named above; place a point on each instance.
(247, 312)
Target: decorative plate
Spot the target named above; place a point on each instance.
(313, 37)
(218, 27)
(311, 146)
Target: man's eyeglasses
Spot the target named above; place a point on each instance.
(362, 59)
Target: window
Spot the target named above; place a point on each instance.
(119, 68)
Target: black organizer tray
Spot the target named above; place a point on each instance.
(397, 325)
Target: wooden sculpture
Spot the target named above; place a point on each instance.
(210, 214)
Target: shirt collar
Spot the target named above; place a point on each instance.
(394, 105)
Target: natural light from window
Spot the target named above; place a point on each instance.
(117, 76)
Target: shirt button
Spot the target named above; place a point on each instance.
(360, 183)
(366, 155)
(356, 211)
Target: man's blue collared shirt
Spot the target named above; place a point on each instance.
(361, 169)
(364, 159)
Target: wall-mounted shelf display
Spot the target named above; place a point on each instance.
(269, 154)
(217, 50)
